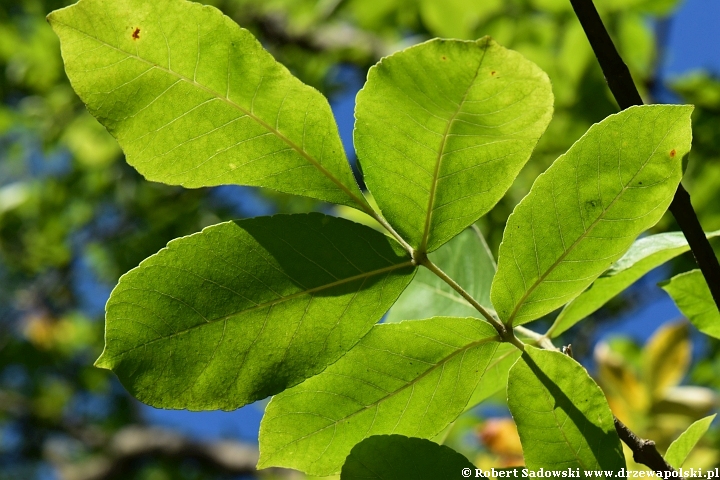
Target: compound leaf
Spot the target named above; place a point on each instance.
(467, 260)
(644, 255)
(679, 449)
(442, 130)
(397, 457)
(692, 296)
(562, 416)
(247, 309)
(586, 210)
(411, 378)
(194, 100)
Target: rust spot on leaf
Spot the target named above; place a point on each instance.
(136, 34)
(444, 57)
(672, 153)
(492, 73)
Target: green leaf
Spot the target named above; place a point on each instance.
(411, 378)
(467, 260)
(586, 210)
(692, 296)
(194, 100)
(562, 416)
(644, 255)
(442, 130)
(679, 450)
(397, 457)
(496, 374)
(247, 309)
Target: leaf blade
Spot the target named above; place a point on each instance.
(403, 458)
(681, 447)
(611, 185)
(303, 292)
(421, 121)
(194, 100)
(562, 416)
(410, 378)
(644, 255)
(691, 294)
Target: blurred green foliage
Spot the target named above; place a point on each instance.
(74, 216)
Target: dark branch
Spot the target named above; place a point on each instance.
(644, 451)
(134, 443)
(623, 89)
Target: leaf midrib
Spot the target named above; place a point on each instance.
(361, 202)
(559, 260)
(271, 303)
(411, 383)
(441, 153)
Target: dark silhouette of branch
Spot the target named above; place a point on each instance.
(626, 94)
(644, 451)
(133, 443)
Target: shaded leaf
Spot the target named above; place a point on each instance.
(692, 296)
(666, 357)
(411, 378)
(247, 309)
(194, 100)
(398, 457)
(442, 130)
(467, 260)
(681, 447)
(562, 416)
(644, 255)
(586, 210)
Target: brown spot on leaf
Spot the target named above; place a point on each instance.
(444, 57)
(672, 153)
(492, 73)
(136, 34)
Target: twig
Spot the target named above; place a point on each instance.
(625, 92)
(644, 451)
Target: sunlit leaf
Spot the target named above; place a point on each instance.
(247, 309)
(692, 296)
(679, 449)
(644, 255)
(496, 374)
(442, 130)
(562, 416)
(467, 260)
(411, 378)
(194, 100)
(396, 457)
(586, 210)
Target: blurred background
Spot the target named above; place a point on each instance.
(74, 217)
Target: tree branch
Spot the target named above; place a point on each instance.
(136, 442)
(623, 89)
(644, 451)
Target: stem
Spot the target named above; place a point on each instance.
(626, 94)
(540, 340)
(644, 451)
(427, 263)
